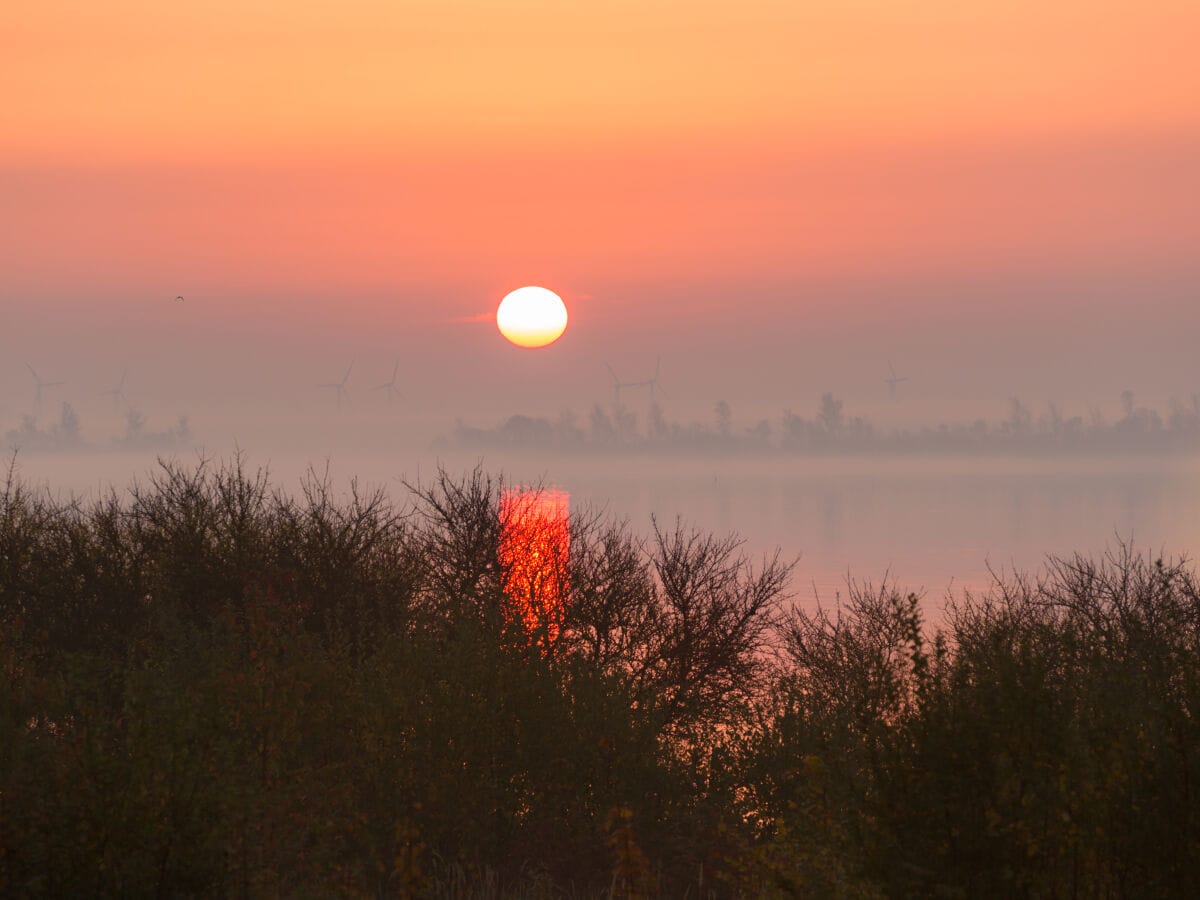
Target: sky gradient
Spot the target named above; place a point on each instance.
(793, 190)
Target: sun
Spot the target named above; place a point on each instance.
(532, 317)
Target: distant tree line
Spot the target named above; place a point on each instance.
(66, 434)
(832, 430)
(211, 687)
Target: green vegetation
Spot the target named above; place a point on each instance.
(211, 688)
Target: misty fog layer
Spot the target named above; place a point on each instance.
(929, 523)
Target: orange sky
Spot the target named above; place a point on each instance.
(436, 154)
(228, 81)
(559, 135)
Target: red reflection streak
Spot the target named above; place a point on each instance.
(534, 543)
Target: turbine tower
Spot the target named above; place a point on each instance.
(892, 381)
(390, 386)
(40, 386)
(339, 387)
(117, 393)
(617, 385)
(651, 383)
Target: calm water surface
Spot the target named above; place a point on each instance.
(929, 524)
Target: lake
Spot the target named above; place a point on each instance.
(932, 525)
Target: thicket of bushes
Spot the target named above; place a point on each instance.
(211, 688)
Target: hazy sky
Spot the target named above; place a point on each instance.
(773, 196)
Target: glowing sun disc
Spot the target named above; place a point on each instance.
(532, 317)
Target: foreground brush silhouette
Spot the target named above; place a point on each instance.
(209, 687)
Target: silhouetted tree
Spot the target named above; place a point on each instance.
(603, 431)
(135, 424)
(830, 415)
(211, 687)
(724, 418)
(1127, 403)
(657, 428)
(760, 434)
(1019, 420)
(68, 428)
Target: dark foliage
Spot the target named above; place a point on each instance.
(212, 688)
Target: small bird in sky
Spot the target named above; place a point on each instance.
(178, 298)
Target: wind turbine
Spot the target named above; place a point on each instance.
(117, 393)
(339, 387)
(652, 383)
(892, 381)
(617, 385)
(40, 386)
(390, 386)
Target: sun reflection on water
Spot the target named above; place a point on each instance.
(534, 545)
